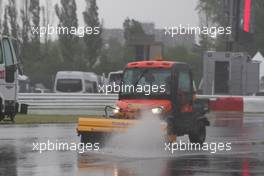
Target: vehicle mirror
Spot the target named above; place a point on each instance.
(10, 73)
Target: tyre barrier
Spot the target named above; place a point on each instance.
(246, 104)
(227, 104)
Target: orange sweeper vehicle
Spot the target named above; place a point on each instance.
(164, 89)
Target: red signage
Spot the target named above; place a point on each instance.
(247, 16)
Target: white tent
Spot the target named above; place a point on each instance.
(258, 57)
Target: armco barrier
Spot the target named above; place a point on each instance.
(93, 104)
(66, 104)
(254, 104)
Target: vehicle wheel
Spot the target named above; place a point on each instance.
(1, 117)
(12, 118)
(93, 138)
(198, 135)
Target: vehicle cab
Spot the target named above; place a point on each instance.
(164, 89)
(157, 84)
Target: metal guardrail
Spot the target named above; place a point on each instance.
(70, 103)
(78, 104)
(66, 103)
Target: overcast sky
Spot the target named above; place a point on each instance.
(161, 12)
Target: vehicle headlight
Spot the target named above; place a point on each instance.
(157, 110)
(116, 110)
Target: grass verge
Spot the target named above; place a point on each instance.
(42, 119)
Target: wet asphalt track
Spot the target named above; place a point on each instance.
(245, 132)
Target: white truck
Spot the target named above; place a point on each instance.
(9, 105)
(76, 82)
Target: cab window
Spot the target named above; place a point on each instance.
(8, 53)
(184, 81)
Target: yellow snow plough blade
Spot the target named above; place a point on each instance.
(109, 125)
(104, 124)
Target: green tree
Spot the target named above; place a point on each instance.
(93, 41)
(5, 22)
(31, 52)
(25, 22)
(112, 57)
(68, 43)
(25, 30)
(258, 34)
(50, 63)
(182, 54)
(212, 13)
(34, 10)
(12, 14)
(218, 15)
(46, 20)
(131, 28)
(0, 15)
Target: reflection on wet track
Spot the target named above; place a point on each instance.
(245, 132)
